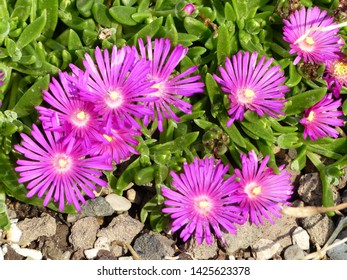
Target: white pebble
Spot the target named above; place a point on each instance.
(30, 254)
(130, 258)
(118, 203)
(265, 249)
(91, 253)
(1, 254)
(14, 233)
(301, 238)
(102, 243)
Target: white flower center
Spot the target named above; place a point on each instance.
(245, 96)
(203, 205)
(310, 117)
(62, 163)
(80, 118)
(253, 190)
(307, 44)
(114, 99)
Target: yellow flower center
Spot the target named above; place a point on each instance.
(253, 190)
(107, 137)
(246, 96)
(114, 99)
(340, 68)
(309, 40)
(62, 163)
(307, 44)
(310, 117)
(202, 205)
(80, 118)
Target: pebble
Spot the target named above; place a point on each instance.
(97, 207)
(30, 254)
(83, 233)
(301, 238)
(118, 203)
(319, 227)
(133, 196)
(265, 249)
(130, 258)
(14, 233)
(294, 252)
(34, 228)
(102, 243)
(203, 251)
(91, 253)
(339, 252)
(153, 246)
(1, 254)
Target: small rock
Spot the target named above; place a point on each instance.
(301, 238)
(51, 250)
(280, 231)
(78, 255)
(265, 249)
(310, 189)
(339, 252)
(14, 233)
(247, 234)
(91, 253)
(33, 228)
(1, 254)
(153, 246)
(133, 196)
(319, 227)
(203, 251)
(97, 207)
(83, 233)
(294, 252)
(102, 243)
(10, 253)
(118, 203)
(122, 228)
(30, 254)
(105, 255)
(66, 255)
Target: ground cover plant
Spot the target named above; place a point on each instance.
(190, 98)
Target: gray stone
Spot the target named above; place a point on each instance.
(247, 234)
(118, 203)
(34, 228)
(280, 231)
(83, 233)
(122, 228)
(310, 190)
(265, 249)
(301, 238)
(293, 252)
(153, 246)
(203, 251)
(339, 252)
(97, 207)
(319, 227)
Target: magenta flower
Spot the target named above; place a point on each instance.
(189, 9)
(116, 86)
(202, 200)
(260, 190)
(312, 35)
(252, 85)
(58, 168)
(69, 114)
(117, 145)
(336, 74)
(170, 87)
(320, 119)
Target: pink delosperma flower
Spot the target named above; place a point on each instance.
(69, 114)
(252, 85)
(117, 145)
(189, 8)
(312, 35)
(202, 201)
(260, 190)
(170, 88)
(336, 74)
(58, 168)
(116, 85)
(320, 119)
